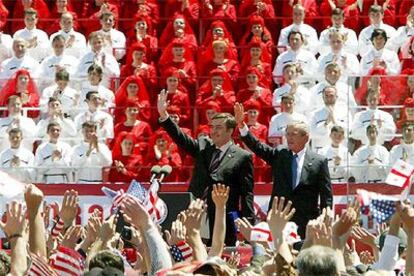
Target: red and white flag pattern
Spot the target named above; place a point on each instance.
(400, 174)
(155, 206)
(57, 229)
(290, 233)
(67, 262)
(261, 232)
(40, 267)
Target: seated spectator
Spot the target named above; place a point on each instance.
(22, 6)
(337, 155)
(37, 40)
(308, 33)
(279, 122)
(405, 150)
(174, 112)
(404, 11)
(332, 78)
(178, 28)
(92, 10)
(376, 14)
(95, 77)
(347, 61)
(90, 156)
(400, 40)
(407, 113)
(55, 63)
(53, 158)
(342, 12)
(379, 56)
(19, 60)
(290, 87)
(127, 162)
(16, 160)
(218, 30)
(324, 118)
(132, 88)
(296, 54)
(15, 119)
(257, 30)
(148, 8)
(59, 8)
(75, 42)
(219, 10)
(189, 9)
(373, 116)
(22, 85)
(98, 56)
(6, 44)
(4, 13)
(264, 8)
(112, 36)
(67, 128)
(104, 123)
(255, 90)
(219, 89)
(68, 97)
(408, 55)
(136, 65)
(207, 112)
(370, 162)
(388, 11)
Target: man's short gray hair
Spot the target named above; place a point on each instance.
(300, 125)
(317, 260)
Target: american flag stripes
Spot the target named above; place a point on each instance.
(57, 228)
(39, 267)
(67, 262)
(261, 232)
(380, 206)
(181, 252)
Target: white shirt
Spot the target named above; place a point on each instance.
(9, 66)
(303, 57)
(363, 119)
(107, 61)
(302, 98)
(118, 42)
(6, 44)
(107, 96)
(68, 129)
(402, 151)
(338, 173)
(365, 172)
(42, 49)
(54, 171)
(69, 98)
(26, 125)
(25, 172)
(388, 257)
(350, 45)
(300, 159)
(88, 169)
(364, 39)
(78, 47)
(104, 120)
(348, 63)
(390, 58)
(47, 71)
(279, 122)
(309, 34)
(401, 36)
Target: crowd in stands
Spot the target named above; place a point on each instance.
(79, 81)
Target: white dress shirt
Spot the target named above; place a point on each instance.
(54, 171)
(106, 95)
(390, 58)
(402, 151)
(25, 171)
(338, 173)
(348, 63)
(362, 119)
(302, 98)
(47, 69)
(118, 42)
(279, 122)
(103, 119)
(300, 159)
(9, 66)
(78, 48)
(6, 44)
(401, 36)
(350, 45)
(42, 49)
(364, 39)
(88, 169)
(374, 172)
(67, 134)
(69, 98)
(26, 125)
(309, 34)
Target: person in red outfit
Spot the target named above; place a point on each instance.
(219, 56)
(403, 11)
(92, 11)
(312, 11)
(219, 89)
(190, 9)
(219, 10)
(256, 91)
(407, 76)
(407, 51)
(18, 13)
(264, 8)
(206, 114)
(22, 85)
(388, 7)
(349, 7)
(126, 163)
(135, 65)
(257, 55)
(407, 113)
(132, 88)
(132, 8)
(4, 13)
(256, 30)
(61, 7)
(178, 27)
(178, 56)
(218, 30)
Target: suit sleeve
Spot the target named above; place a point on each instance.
(180, 138)
(325, 188)
(266, 152)
(246, 183)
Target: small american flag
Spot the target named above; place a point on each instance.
(380, 206)
(39, 267)
(138, 191)
(181, 252)
(67, 262)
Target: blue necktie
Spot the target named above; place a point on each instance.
(294, 170)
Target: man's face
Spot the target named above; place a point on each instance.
(337, 20)
(54, 132)
(337, 137)
(15, 139)
(30, 21)
(372, 135)
(19, 48)
(107, 22)
(295, 42)
(329, 96)
(298, 15)
(219, 132)
(296, 139)
(287, 105)
(289, 73)
(14, 106)
(54, 107)
(409, 112)
(94, 77)
(66, 23)
(95, 100)
(375, 17)
(408, 134)
(332, 75)
(58, 47)
(62, 84)
(175, 118)
(379, 42)
(88, 132)
(336, 42)
(97, 43)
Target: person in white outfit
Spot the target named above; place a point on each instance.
(6, 43)
(53, 158)
(310, 37)
(115, 38)
(37, 40)
(90, 156)
(105, 128)
(370, 162)
(75, 41)
(405, 150)
(305, 61)
(299, 92)
(18, 161)
(373, 116)
(379, 56)
(400, 39)
(350, 37)
(279, 122)
(55, 63)
(376, 14)
(338, 156)
(98, 56)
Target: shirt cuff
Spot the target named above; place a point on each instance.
(244, 130)
(163, 120)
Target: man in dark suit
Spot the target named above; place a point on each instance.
(299, 174)
(217, 160)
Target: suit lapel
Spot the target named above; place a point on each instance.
(228, 155)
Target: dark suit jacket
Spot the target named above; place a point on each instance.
(314, 179)
(235, 170)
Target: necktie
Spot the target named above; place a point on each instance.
(215, 161)
(294, 170)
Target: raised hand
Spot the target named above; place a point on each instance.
(135, 213)
(406, 213)
(245, 227)
(69, 207)
(220, 195)
(162, 104)
(16, 221)
(192, 217)
(363, 236)
(34, 198)
(177, 234)
(239, 114)
(72, 236)
(279, 215)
